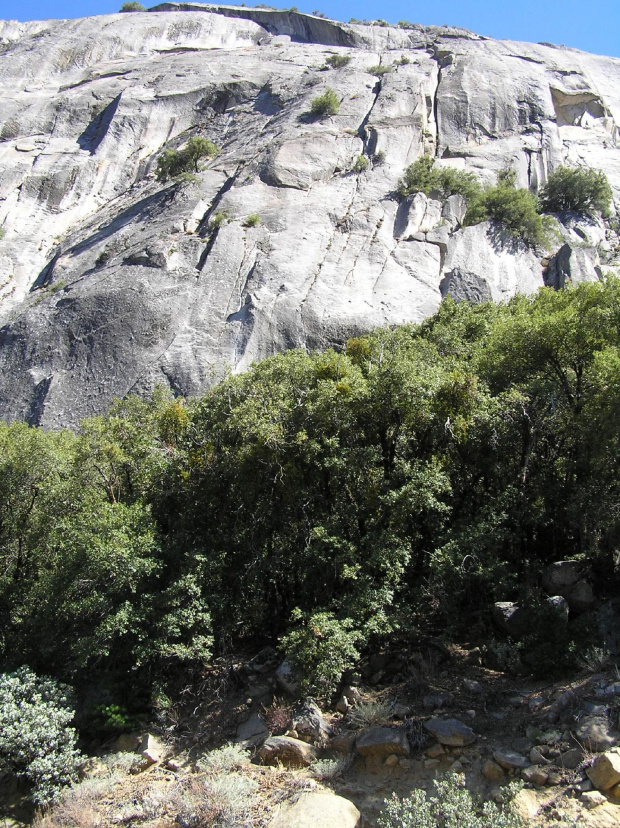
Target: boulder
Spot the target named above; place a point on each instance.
(377, 742)
(284, 750)
(570, 759)
(592, 799)
(604, 772)
(252, 732)
(559, 577)
(581, 597)
(432, 701)
(511, 618)
(285, 680)
(493, 772)
(594, 733)
(517, 621)
(510, 759)
(310, 723)
(151, 749)
(535, 775)
(317, 809)
(450, 732)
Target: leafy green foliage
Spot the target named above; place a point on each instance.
(253, 220)
(338, 61)
(578, 189)
(36, 741)
(452, 807)
(517, 210)
(379, 69)
(361, 164)
(174, 163)
(326, 104)
(423, 177)
(402, 485)
(320, 649)
(133, 6)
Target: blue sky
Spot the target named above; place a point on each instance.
(593, 26)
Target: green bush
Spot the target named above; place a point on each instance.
(516, 209)
(319, 649)
(573, 188)
(133, 6)
(221, 218)
(338, 61)
(361, 164)
(175, 163)
(379, 69)
(326, 104)
(452, 807)
(36, 742)
(423, 177)
(253, 220)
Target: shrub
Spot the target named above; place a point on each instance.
(253, 220)
(453, 807)
(423, 177)
(379, 69)
(361, 164)
(320, 650)
(403, 60)
(224, 760)
(175, 163)
(516, 209)
(35, 740)
(338, 61)
(378, 158)
(133, 6)
(220, 218)
(576, 189)
(325, 104)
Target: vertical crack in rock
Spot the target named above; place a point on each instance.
(203, 227)
(443, 59)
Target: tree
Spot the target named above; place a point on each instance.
(133, 6)
(578, 189)
(175, 163)
(326, 104)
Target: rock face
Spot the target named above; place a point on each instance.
(112, 283)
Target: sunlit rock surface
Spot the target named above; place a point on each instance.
(112, 283)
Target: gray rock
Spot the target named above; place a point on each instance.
(510, 759)
(310, 724)
(285, 680)
(581, 597)
(511, 618)
(292, 753)
(592, 799)
(434, 700)
(112, 282)
(571, 759)
(450, 732)
(317, 809)
(377, 742)
(595, 733)
(604, 772)
(252, 732)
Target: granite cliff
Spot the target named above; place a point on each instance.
(112, 282)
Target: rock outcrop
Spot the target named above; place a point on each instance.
(112, 283)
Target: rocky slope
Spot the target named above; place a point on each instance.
(111, 282)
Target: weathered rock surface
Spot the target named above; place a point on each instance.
(111, 282)
(317, 809)
(604, 772)
(292, 753)
(450, 732)
(382, 741)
